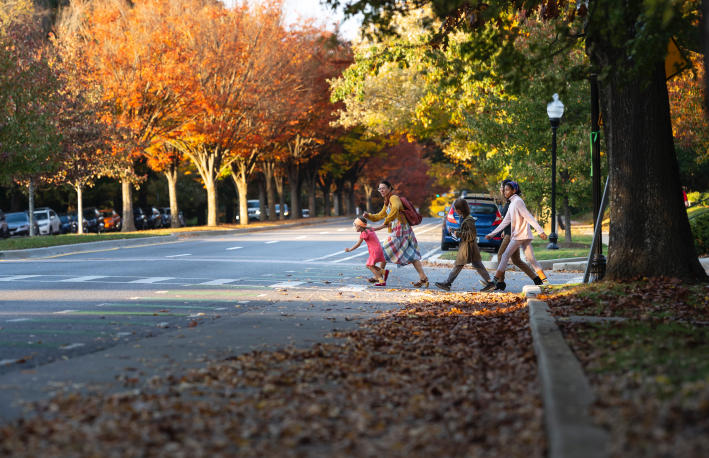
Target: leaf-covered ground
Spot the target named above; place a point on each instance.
(447, 376)
(650, 372)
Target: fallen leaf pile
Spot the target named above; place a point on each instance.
(654, 400)
(661, 298)
(446, 376)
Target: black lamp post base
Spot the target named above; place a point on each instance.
(553, 238)
(598, 268)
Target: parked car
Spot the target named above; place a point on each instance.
(94, 220)
(139, 218)
(111, 220)
(68, 224)
(306, 212)
(48, 221)
(152, 217)
(254, 209)
(74, 223)
(19, 224)
(4, 229)
(165, 215)
(278, 211)
(487, 216)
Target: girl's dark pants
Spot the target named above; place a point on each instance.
(478, 266)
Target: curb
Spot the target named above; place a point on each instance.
(566, 393)
(246, 230)
(83, 247)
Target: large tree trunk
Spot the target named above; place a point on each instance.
(269, 171)
(212, 201)
(80, 208)
(312, 207)
(368, 190)
(650, 234)
(325, 183)
(295, 187)
(171, 175)
(339, 195)
(261, 198)
(351, 203)
(240, 174)
(127, 219)
(280, 185)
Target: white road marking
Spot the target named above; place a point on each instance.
(256, 296)
(151, 280)
(71, 346)
(345, 259)
(324, 233)
(121, 334)
(286, 284)
(274, 241)
(66, 311)
(357, 288)
(301, 237)
(430, 253)
(323, 257)
(18, 277)
(82, 279)
(164, 324)
(340, 230)
(160, 292)
(221, 308)
(234, 248)
(17, 319)
(219, 281)
(422, 232)
(177, 255)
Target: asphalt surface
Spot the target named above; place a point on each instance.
(56, 309)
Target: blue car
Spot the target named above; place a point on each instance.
(487, 218)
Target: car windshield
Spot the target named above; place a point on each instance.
(89, 214)
(107, 214)
(482, 209)
(41, 216)
(64, 219)
(17, 218)
(166, 211)
(253, 204)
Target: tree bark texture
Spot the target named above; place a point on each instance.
(171, 175)
(351, 203)
(368, 190)
(340, 197)
(325, 183)
(31, 208)
(127, 219)
(80, 208)
(280, 185)
(295, 188)
(241, 171)
(269, 171)
(262, 197)
(650, 234)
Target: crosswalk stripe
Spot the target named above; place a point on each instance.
(18, 277)
(219, 281)
(82, 279)
(287, 284)
(345, 259)
(151, 279)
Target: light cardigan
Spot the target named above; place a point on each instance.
(396, 211)
(519, 218)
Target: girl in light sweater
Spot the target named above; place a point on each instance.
(519, 218)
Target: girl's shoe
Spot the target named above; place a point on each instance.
(382, 283)
(386, 275)
(501, 285)
(537, 281)
(488, 287)
(372, 280)
(421, 283)
(443, 285)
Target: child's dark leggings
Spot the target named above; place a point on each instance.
(478, 266)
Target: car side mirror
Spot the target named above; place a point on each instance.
(441, 214)
(475, 218)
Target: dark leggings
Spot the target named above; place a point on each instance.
(478, 266)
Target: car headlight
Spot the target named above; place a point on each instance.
(258, 212)
(286, 213)
(24, 226)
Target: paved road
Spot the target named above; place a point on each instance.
(63, 307)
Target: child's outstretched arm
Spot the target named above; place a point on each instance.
(530, 219)
(347, 250)
(380, 227)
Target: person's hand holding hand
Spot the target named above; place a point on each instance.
(347, 250)
(543, 236)
(488, 236)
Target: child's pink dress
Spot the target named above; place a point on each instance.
(376, 254)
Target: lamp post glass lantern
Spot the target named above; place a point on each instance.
(555, 110)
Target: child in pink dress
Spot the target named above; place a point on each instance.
(376, 254)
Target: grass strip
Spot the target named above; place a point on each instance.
(46, 241)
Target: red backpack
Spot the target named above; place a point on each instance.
(412, 216)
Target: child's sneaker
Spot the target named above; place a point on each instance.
(537, 281)
(381, 283)
(482, 282)
(443, 285)
(488, 287)
(501, 285)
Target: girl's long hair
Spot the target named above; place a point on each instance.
(461, 205)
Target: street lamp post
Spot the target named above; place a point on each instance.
(555, 110)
